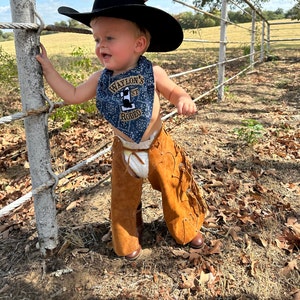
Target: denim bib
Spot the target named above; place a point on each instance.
(126, 100)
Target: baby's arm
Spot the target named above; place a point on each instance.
(174, 93)
(69, 93)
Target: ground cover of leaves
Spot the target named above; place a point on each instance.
(253, 192)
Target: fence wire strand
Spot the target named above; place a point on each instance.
(34, 26)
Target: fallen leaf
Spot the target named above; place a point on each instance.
(283, 243)
(211, 222)
(233, 233)
(297, 295)
(180, 253)
(204, 129)
(260, 241)
(254, 265)
(214, 183)
(260, 188)
(247, 241)
(5, 234)
(245, 259)
(188, 278)
(216, 247)
(292, 265)
(107, 236)
(206, 277)
(233, 170)
(72, 205)
(4, 227)
(294, 225)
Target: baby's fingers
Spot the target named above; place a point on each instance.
(43, 52)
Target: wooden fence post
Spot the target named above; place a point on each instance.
(36, 127)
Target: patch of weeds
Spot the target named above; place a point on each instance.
(8, 69)
(250, 132)
(282, 84)
(76, 73)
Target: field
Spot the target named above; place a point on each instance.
(237, 36)
(249, 175)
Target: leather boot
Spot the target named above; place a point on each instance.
(198, 241)
(134, 255)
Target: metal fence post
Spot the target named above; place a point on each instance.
(253, 36)
(222, 53)
(262, 46)
(36, 127)
(268, 37)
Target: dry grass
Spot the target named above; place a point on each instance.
(239, 36)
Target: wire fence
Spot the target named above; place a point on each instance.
(52, 181)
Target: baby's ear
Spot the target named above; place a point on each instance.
(141, 44)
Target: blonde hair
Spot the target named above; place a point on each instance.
(144, 32)
(141, 30)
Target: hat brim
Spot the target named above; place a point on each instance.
(166, 32)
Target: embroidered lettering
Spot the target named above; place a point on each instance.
(131, 115)
(134, 92)
(118, 85)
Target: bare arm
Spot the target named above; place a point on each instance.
(174, 93)
(69, 93)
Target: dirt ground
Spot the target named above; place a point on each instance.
(253, 192)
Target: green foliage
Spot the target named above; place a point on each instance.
(6, 36)
(274, 15)
(250, 132)
(189, 20)
(8, 69)
(217, 3)
(79, 65)
(294, 13)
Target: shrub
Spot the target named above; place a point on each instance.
(8, 69)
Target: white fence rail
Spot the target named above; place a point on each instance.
(276, 38)
(36, 107)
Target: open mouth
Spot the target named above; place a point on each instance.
(105, 56)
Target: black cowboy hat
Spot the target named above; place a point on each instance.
(166, 32)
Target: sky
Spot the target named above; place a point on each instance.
(47, 9)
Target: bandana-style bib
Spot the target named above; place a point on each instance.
(126, 100)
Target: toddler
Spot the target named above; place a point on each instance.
(127, 94)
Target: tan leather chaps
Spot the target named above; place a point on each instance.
(170, 173)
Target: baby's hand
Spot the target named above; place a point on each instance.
(43, 59)
(186, 106)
